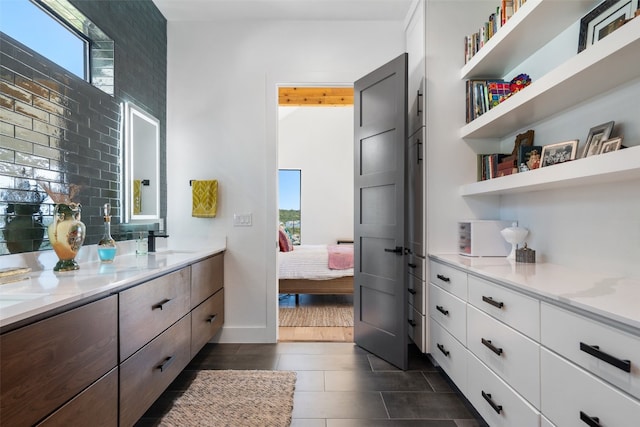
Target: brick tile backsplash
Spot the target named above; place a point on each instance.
(58, 129)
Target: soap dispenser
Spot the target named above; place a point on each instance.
(107, 246)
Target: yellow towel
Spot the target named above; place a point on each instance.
(137, 197)
(205, 198)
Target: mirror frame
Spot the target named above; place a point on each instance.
(133, 112)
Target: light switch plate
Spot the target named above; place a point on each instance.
(242, 220)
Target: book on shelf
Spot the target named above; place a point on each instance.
(494, 165)
(483, 95)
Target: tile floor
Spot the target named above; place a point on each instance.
(341, 385)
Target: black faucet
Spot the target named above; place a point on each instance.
(151, 240)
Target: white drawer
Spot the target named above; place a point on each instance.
(498, 404)
(449, 311)
(575, 337)
(449, 279)
(417, 266)
(515, 309)
(449, 354)
(417, 326)
(568, 390)
(512, 356)
(417, 293)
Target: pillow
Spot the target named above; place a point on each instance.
(284, 241)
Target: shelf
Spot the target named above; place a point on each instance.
(621, 165)
(535, 24)
(576, 80)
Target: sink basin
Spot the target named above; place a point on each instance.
(7, 300)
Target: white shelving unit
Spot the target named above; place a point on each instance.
(576, 80)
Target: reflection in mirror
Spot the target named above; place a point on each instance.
(142, 171)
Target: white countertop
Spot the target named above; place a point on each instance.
(44, 290)
(614, 298)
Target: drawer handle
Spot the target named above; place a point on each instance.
(212, 318)
(166, 363)
(412, 291)
(590, 421)
(487, 397)
(442, 310)
(491, 301)
(411, 322)
(160, 304)
(412, 265)
(491, 347)
(443, 278)
(595, 351)
(441, 348)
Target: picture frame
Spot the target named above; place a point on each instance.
(559, 152)
(612, 144)
(596, 136)
(604, 19)
(522, 140)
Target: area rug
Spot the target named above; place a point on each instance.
(329, 316)
(235, 398)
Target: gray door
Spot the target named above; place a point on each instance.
(380, 295)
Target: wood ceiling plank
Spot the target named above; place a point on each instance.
(315, 96)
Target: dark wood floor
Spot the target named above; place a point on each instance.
(341, 385)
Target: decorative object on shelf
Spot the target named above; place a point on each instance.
(514, 235)
(597, 135)
(523, 140)
(526, 255)
(530, 156)
(24, 231)
(604, 19)
(107, 246)
(559, 152)
(66, 231)
(612, 144)
(519, 82)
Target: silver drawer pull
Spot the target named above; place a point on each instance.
(160, 304)
(491, 347)
(590, 421)
(487, 397)
(595, 351)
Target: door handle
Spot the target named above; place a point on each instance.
(396, 250)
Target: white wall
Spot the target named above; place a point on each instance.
(221, 123)
(319, 142)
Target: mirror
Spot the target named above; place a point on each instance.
(142, 170)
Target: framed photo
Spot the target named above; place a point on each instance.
(612, 144)
(560, 152)
(523, 140)
(597, 135)
(604, 19)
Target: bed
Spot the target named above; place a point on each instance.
(305, 270)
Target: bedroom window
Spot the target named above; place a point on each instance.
(289, 184)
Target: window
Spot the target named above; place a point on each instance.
(289, 201)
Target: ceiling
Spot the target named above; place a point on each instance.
(284, 10)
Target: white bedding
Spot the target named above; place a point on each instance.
(308, 262)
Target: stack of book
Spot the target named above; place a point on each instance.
(496, 165)
(483, 95)
(475, 41)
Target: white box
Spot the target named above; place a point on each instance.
(482, 238)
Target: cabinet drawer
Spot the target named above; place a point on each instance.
(576, 338)
(449, 279)
(512, 356)
(145, 375)
(150, 308)
(206, 320)
(417, 323)
(65, 353)
(568, 390)
(417, 293)
(417, 267)
(95, 406)
(515, 309)
(449, 354)
(498, 404)
(449, 311)
(207, 278)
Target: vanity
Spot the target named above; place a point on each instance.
(98, 346)
(537, 344)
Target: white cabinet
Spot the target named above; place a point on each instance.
(450, 355)
(449, 311)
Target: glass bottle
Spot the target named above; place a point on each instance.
(107, 246)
